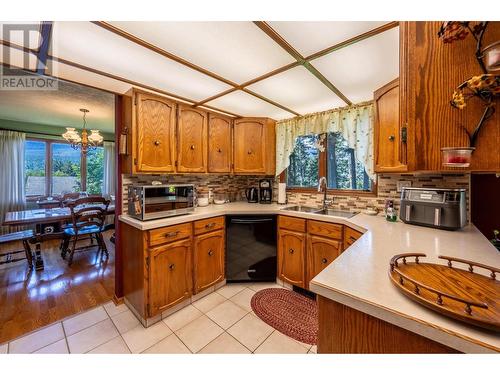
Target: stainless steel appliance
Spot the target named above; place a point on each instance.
(146, 202)
(250, 248)
(265, 191)
(437, 208)
(252, 195)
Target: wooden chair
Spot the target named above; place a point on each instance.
(23, 236)
(88, 217)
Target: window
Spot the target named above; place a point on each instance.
(326, 155)
(55, 168)
(34, 166)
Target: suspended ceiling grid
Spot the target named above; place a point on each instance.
(274, 69)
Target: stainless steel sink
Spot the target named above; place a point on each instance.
(316, 210)
(302, 209)
(332, 212)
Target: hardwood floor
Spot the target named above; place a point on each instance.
(29, 301)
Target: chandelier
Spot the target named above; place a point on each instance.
(86, 141)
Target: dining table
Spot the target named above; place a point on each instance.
(41, 216)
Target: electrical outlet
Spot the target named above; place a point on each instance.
(401, 184)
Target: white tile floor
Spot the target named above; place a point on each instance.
(221, 322)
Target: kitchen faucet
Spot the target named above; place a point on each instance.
(322, 188)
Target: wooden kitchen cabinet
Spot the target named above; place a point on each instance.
(321, 251)
(170, 275)
(350, 236)
(219, 144)
(208, 259)
(150, 123)
(292, 257)
(254, 146)
(390, 146)
(192, 140)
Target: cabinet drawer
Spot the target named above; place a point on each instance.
(320, 228)
(350, 236)
(208, 225)
(292, 223)
(169, 234)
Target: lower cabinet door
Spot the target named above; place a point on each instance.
(291, 257)
(208, 259)
(320, 253)
(169, 276)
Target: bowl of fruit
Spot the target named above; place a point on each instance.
(457, 157)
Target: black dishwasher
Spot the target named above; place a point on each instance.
(250, 248)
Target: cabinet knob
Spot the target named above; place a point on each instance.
(249, 152)
(171, 267)
(157, 143)
(210, 253)
(291, 251)
(324, 260)
(192, 147)
(392, 138)
(219, 150)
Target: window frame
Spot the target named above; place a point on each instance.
(322, 170)
(48, 167)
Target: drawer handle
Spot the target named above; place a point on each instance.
(157, 143)
(291, 251)
(324, 260)
(209, 225)
(210, 253)
(192, 147)
(392, 138)
(172, 267)
(352, 239)
(172, 234)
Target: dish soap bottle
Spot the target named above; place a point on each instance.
(390, 211)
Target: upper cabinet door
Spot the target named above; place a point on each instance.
(219, 144)
(192, 140)
(249, 146)
(155, 129)
(388, 143)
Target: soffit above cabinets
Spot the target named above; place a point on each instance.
(97, 48)
(311, 37)
(238, 51)
(249, 106)
(361, 68)
(298, 89)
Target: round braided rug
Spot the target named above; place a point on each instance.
(289, 312)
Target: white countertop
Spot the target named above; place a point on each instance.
(359, 276)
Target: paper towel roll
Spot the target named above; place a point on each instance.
(281, 193)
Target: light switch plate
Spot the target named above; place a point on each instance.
(401, 184)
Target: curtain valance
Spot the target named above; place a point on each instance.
(355, 123)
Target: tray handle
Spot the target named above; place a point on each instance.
(439, 300)
(471, 264)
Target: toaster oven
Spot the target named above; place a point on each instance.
(147, 202)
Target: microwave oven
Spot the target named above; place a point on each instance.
(147, 202)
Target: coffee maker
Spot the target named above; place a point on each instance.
(265, 191)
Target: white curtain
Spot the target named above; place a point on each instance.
(108, 187)
(355, 123)
(12, 196)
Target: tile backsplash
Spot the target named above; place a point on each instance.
(234, 187)
(386, 189)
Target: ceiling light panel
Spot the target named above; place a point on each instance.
(95, 47)
(311, 37)
(363, 67)
(85, 77)
(299, 90)
(238, 51)
(249, 106)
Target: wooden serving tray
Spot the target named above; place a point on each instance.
(460, 294)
